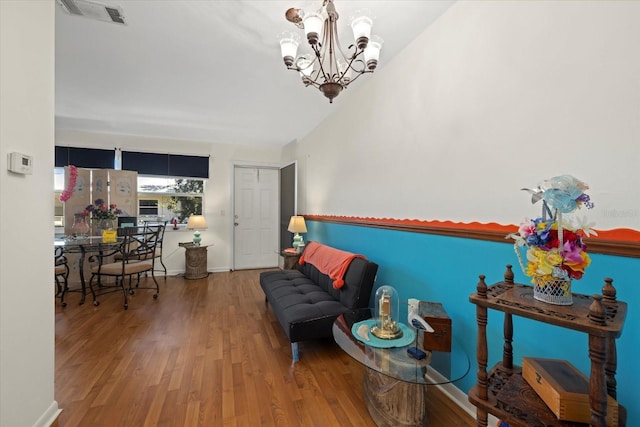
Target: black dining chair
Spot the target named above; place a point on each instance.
(61, 274)
(135, 255)
(161, 226)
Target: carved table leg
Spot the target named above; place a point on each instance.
(482, 353)
(394, 403)
(610, 368)
(507, 351)
(597, 385)
(598, 355)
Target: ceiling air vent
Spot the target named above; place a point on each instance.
(92, 10)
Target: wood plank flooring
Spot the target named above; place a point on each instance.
(208, 352)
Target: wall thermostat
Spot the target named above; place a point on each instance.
(20, 163)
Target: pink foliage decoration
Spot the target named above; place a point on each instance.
(68, 192)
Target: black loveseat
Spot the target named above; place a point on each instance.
(306, 303)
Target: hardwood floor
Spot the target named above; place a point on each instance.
(208, 352)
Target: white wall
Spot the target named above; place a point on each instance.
(26, 252)
(493, 97)
(218, 208)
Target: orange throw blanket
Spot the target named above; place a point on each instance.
(330, 261)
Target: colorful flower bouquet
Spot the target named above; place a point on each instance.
(556, 252)
(99, 210)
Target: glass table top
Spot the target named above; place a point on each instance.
(89, 243)
(436, 368)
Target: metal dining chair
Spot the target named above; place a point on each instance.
(61, 274)
(136, 255)
(161, 226)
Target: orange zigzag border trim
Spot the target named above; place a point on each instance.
(622, 234)
(619, 241)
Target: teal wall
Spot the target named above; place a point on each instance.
(446, 269)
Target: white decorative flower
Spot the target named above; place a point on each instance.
(586, 227)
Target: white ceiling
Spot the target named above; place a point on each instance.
(205, 70)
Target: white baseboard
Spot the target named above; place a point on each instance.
(456, 395)
(49, 416)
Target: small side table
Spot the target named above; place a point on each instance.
(290, 260)
(394, 384)
(195, 260)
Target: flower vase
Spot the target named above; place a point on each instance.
(103, 224)
(552, 290)
(80, 228)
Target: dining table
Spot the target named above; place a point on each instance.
(84, 245)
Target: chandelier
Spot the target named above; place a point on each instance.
(329, 67)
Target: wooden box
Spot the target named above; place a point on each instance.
(564, 389)
(436, 316)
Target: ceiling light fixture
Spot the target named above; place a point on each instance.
(329, 68)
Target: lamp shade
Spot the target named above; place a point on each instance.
(197, 222)
(297, 225)
(361, 26)
(313, 26)
(372, 52)
(289, 45)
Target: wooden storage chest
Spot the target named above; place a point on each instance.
(436, 316)
(564, 389)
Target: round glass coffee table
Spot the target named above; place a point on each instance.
(394, 382)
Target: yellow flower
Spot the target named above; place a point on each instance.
(552, 257)
(542, 262)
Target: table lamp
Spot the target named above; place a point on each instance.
(196, 222)
(297, 226)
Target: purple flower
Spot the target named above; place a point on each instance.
(585, 200)
(571, 252)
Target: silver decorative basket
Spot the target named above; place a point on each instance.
(552, 290)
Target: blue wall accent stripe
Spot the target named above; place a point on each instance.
(445, 269)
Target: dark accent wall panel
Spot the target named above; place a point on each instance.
(287, 203)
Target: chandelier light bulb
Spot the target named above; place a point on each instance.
(361, 25)
(372, 52)
(289, 47)
(313, 26)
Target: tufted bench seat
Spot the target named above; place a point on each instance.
(306, 303)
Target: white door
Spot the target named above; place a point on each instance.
(256, 211)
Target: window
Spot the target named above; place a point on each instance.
(162, 195)
(147, 207)
(170, 198)
(58, 206)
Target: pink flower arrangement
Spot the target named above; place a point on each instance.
(555, 247)
(99, 210)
